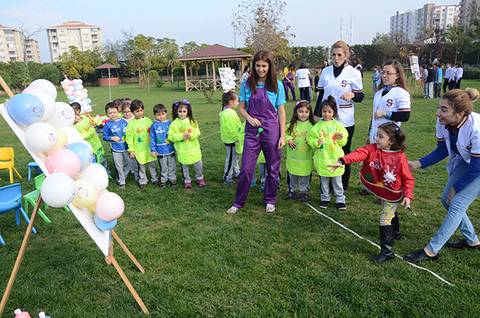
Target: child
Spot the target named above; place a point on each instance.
(315, 82)
(138, 141)
(126, 111)
(424, 78)
(230, 127)
(114, 132)
(262, 104)
(430, 80)
(87, 130)
(76, 107)
(161, 148)
(446, 78)
(438, 79)
(184, 134)
(386, 174)
(304, 82)
(376, 78)
(299, 152)
(328, 136)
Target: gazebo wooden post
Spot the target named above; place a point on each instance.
(206, 67)
(214, 79)
(186, 76)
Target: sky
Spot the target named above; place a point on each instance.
(314, 22)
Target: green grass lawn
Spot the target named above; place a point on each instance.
(203, 262)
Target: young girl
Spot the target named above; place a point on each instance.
(299, 152)
(184, 134)
(127, 113)
(328, 136)
(385, 173)
(262, 101)
(230, 127)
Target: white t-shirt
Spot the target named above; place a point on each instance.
(302, 75)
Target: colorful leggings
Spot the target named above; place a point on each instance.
(388, 212)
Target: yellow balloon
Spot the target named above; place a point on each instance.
(62, 140)
(86, 195)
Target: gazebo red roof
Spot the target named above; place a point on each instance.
(214, 52)
(105, 66)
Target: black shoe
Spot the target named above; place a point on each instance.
(364, 192)
(341, 206)
(324, 204)
(462, 244)
(386, 244)
(396, 228)
(420, 255)
(143, 186)
(156, 183)
(293, 195)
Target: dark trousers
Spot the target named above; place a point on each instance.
(346, 150)
(457, 83)
(451, 85)
(445, 85)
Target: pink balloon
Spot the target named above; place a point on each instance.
(34, 88)
(109, 206)
(65, 161)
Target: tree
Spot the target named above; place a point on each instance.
(473, 27)
(390, 44)
(188, 48)
(457, 37)
(431, 42)
(137, 61)
(76, 64)
(260, 22)
(26, 34)
(168, 51)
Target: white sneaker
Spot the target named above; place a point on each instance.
(232, 210)
(270, 208)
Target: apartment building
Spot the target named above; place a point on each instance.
(463, 10)
(11, 48)
(32, 50)
(76, 33)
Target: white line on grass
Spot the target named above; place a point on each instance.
(209, 135)
(374, 244)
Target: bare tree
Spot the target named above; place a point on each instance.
(26, 34)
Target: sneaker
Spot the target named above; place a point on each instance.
(254, 183)
(293, 195)
(303, 197)
(143, 186)
(121, 186)
(201, 183)
(156, 183)
(173, 183)
(324, 204)
(188, 185)
(232, 210)
(262, 187)
(341, 206)
(270, 208)
(163, 185)
(230, 182)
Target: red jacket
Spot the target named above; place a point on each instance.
(384, 173)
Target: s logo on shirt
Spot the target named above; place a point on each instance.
(344, 83)
(389, 102)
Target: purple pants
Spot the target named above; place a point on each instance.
(289, 85)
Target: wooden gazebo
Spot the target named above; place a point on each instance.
(212, 54)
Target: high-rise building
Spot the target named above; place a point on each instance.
(76, 33)
(413, 22)
(32, 50)
(463, 10)
(11, 48)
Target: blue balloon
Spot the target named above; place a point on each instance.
(25, 109)
(71, 98)
(88, 100)
(103, 225)
(83, 152)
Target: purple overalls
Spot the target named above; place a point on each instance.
(260, 107)
(287, 85)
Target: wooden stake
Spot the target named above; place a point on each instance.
(33, 217)
(140, 268)
(6, 89)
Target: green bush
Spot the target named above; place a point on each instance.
(178, 73)
(159, 83)
(6, 78)
(50, 73)
(153, 76)
(471, 73)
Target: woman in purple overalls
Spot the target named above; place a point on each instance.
(289, 80)
(262, 100)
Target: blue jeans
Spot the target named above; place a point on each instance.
(457, 210)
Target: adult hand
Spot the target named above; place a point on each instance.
(347, 96)
(451, 195)
(281, 142)
(414, 165)
(379, 114)
(292, 144)
(254, 122)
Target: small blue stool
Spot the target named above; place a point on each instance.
(33, 165)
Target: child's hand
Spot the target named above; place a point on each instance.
(186, 136)
(339, 136)
(292, 144)
(320, 141)
(367, 141)
(406, 202)
(334, 167)
(153, 154)
(116, 139)
(132, 154)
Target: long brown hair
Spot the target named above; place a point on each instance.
(293, 120)
(401, 80)
(271, 81)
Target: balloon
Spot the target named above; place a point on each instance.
(64, 115)
(58, 190)
(96, 174)
(41, 137)
(65, 161)
(73, 135)
(34, 88)
(84, 152)
(25, 109)
(88, 144)
(109, 206)
(86, 193)
(49, 87)
(47, 101)
(62, 139)
(104, 225)
(88, 100)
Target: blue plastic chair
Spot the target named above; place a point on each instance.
(11, 199)
(34, 165)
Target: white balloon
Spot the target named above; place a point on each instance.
(73, 135)
(51, 89)
(41, 137)
(58, 190)
(47, 101)
(96, 175)
(64, 115)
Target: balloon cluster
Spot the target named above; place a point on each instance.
(76, 92)
(68, 158)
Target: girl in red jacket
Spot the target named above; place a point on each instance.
(385, 173)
